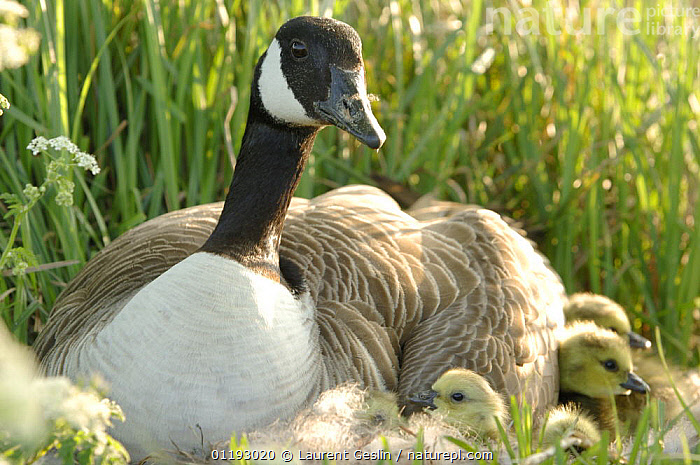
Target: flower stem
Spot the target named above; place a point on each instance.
(11, 239)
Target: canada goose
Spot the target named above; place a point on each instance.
(466, 401)
(199, 322)
(594, 365)
(596, 362)
(381, 408)
(605, 313)
(342, 417)
(650, 368)
(609, 314)
(343, 420)
(569, 420)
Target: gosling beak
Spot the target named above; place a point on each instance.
(425, 399)
(635, 383)
(348, 107)
(638, 341)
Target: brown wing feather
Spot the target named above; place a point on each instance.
(398, 300)
(457, 289)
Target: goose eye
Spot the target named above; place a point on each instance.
(610, 365)
(299, 49)
(458, 397)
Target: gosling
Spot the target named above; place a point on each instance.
(465, 401)
(608, 314)
(594, 365)
(605, 313)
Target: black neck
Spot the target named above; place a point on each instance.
(268, 168)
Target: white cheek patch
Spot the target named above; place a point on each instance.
(277, 98)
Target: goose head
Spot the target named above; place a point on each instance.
(605, 313)
(596, 362)
(312, 75)
(466, 401)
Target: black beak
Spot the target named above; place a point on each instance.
(348, 107)
(638, 342)
(425, 399)
(635, 383)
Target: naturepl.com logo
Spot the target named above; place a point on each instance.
(554, 19)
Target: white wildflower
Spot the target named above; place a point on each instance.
(86, 161)
(19, 263)
(66, 185)
(84, 410)
(82, 159)
(20, 414)
(64, 143)
(16, 45)
(64, 197)
(4, 103)
(54, 169)
(20, 268)
(38, 144)
(11, 10)
(37, 411)
(50, 393)
(33, 193)
(81, 409)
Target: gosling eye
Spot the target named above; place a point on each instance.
(457, 397)
(614, 330)
(299, 50)
(610, 365)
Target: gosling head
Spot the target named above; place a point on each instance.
(605, 313)
(466, 401)
(596, 362)
(312, 75)
(381, 409)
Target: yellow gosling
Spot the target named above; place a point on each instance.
(466, 401)
(570, 421)
(381, 409)
(608, 314)
(596, 362)
(594, 365)
(605, 313)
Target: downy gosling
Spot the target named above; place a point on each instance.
(466, 401)
(605, 313)
(570, 421)
(609, 314)
(594, 365)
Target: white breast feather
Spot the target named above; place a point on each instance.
(208, 343)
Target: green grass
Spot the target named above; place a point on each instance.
(592, 141)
